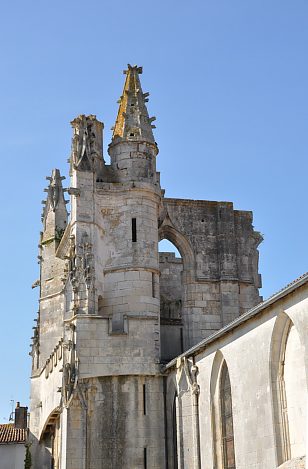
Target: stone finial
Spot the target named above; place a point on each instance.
(133, 122)
(87, 143)
(54, 189)
(55, 214)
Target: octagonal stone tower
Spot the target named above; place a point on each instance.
(103, 329)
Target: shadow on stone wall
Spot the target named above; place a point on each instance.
(40, 452)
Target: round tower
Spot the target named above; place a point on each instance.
(131, 272)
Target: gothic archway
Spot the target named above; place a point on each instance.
(288, 383)
(168, 232)
(181, 330)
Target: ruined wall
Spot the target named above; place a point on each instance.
(170, 286)
(220, 262)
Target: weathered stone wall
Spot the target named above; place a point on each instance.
(103, 353)
(220, 262)
(121, 422)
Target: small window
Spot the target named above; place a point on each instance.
(131, 135)
(134, 230)
(153, 285)
(145, 458)
(144, 401)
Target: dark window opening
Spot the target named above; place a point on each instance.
(144, 401)
(131, 135)
(134, 230)
(153, 285)
(145, 461)
(182, 340)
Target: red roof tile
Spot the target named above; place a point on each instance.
(10, 434)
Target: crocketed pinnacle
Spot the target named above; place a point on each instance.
(133, 122)
(54, 216)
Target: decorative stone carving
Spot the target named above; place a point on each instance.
(55, 188)
(81, 142)
(54, 358)
(80, 272)
(35, 346)
(70, 367)
(189, 371)
(72, 260)
(86, 142)
(86, 259)
(68, 380)
(54, 216)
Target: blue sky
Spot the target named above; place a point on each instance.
(228, 83)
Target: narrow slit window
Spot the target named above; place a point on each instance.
(153, 285)
(145, 458)
(134, 230)
(144, 401)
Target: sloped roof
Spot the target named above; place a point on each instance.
(10, 434)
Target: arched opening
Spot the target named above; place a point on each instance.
(176, 335)
(289, 390)
(171, 300)
(222, 416)
(50, 439)
(226, 419)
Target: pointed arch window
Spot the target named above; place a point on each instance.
(226, 419)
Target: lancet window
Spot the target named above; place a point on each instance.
(226, 419)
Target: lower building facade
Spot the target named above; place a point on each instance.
(239, 398)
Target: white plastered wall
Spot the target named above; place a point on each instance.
(247, 351)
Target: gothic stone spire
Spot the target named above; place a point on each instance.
(133, 122)
(54, 215)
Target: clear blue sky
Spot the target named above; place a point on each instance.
(228, 83)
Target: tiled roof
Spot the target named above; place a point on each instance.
(10, 434)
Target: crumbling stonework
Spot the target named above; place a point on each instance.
(112, 309)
